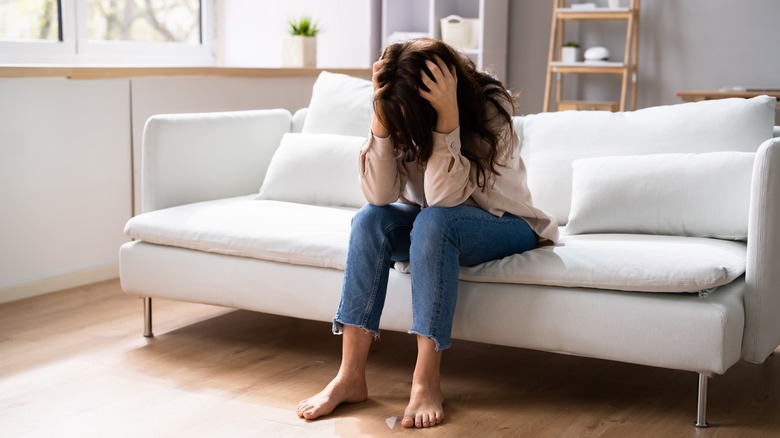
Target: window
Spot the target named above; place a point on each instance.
(29, 20)
(97, 32)
(173, 21)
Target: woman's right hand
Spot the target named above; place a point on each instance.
(377, 128)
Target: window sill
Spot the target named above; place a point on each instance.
(130, 72)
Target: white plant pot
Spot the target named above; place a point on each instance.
(299, 51)
(569, 55)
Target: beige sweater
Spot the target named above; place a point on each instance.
(448, 180)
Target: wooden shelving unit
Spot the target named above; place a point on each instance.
(627, 69)
(423, 17)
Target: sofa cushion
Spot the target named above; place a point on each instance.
(318, 236)
(644, 263)
(317, 169)
(340, 104)
(271, 230)
(552, 141)
(704, 195)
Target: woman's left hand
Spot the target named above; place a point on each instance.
(443, 94)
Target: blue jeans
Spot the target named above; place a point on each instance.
(436, 242)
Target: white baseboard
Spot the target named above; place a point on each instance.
(60, 282)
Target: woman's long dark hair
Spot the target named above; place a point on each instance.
(410, 118)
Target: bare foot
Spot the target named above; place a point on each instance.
(339, 390)
(425, 406)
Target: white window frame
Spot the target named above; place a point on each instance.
(76, 49)
(54, 52)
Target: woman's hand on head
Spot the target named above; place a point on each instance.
(377, 128)
(443, 94)
(377, 70)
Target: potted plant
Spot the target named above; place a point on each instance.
(569, 52)
(300, 47)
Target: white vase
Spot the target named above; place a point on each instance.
(299, 51)
(569, 55)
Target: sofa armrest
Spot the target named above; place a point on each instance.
(197, 157)
(762, 276)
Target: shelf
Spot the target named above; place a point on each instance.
(692, 96)
(564, 13)
(593, 14)
(424, 17)
(84, 72)
(587, 105)
(599, 67)
(469, 51)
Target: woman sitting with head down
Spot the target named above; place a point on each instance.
(446, 187)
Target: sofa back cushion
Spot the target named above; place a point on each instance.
(552, 141)
(698, 195)
(340, 104)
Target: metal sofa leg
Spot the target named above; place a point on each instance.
(701, 411)
(148, 317)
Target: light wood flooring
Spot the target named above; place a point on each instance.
(74, 363)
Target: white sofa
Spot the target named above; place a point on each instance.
(670, 247)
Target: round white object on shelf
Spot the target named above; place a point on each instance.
(597, 53)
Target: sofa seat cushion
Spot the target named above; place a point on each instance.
(244, 226)
(318, 236)
(628, 262)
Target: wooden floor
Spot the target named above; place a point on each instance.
(74, 363)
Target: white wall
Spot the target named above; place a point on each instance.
(65, 185)
(252, 31)
(683, 46)
(66, 154)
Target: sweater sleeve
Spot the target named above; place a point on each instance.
(382, 175)
(447, 175)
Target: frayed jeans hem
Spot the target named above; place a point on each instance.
(439, 345)
(338, 328)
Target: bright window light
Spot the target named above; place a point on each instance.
(30, 20)
(169, 21)
(107, 32)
